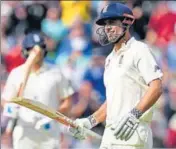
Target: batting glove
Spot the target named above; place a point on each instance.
(78, 132)
(127, 125)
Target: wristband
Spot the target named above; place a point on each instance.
(137, 113)
(92, 120)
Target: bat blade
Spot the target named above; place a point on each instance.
(42, 109)
(53, 114)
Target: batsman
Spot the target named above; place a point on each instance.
(39, 82)
(128, 108)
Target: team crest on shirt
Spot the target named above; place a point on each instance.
(36, 38)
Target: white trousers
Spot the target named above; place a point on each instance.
(29, 138)
(141, 139)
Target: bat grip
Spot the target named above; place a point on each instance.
(92, 134)
(87, 131)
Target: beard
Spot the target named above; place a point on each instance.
(113, 37)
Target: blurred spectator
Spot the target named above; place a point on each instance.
(77, 39)
(97, 7)
(163, 22)
(139, 27)
(52, 46)
(170, 140)
(52, 25)
(5, 12)
(159, 125)
(75, 66)
(84, 103)
(94, 75)
(74, 53)
(3, 73)
(36, 13)
(150, 39)
(17, 22)
(170, 82)
(14, 57)
(71, 9)
(171, 56)
(94, 6)
(24, 17)
(55, 31)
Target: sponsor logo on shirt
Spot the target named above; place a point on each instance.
(156, 68)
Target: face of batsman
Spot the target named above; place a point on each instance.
(113, 29)
(111, 32)
(40, 56)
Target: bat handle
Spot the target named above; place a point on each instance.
(87, 131)
(92, 134)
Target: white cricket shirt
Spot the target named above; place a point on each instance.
(122, 92)
(47, 86)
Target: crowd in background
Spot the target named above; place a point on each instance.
(73, 46)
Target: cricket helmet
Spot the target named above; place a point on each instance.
(114, 11)
(32, 39)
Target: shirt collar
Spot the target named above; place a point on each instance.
(125, 46)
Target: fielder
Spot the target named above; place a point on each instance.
(46, 85)
(128, 108)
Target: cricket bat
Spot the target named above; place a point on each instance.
(28, 65)
(51, 113)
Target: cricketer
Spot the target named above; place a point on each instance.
(128, 107)
(46, 85)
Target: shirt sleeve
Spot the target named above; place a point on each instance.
(10, 89)
(147, 66)
(64, 87)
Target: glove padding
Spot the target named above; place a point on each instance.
(79, 132)
(126, 127)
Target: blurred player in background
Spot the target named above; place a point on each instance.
(128, 108)
(46, 85)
